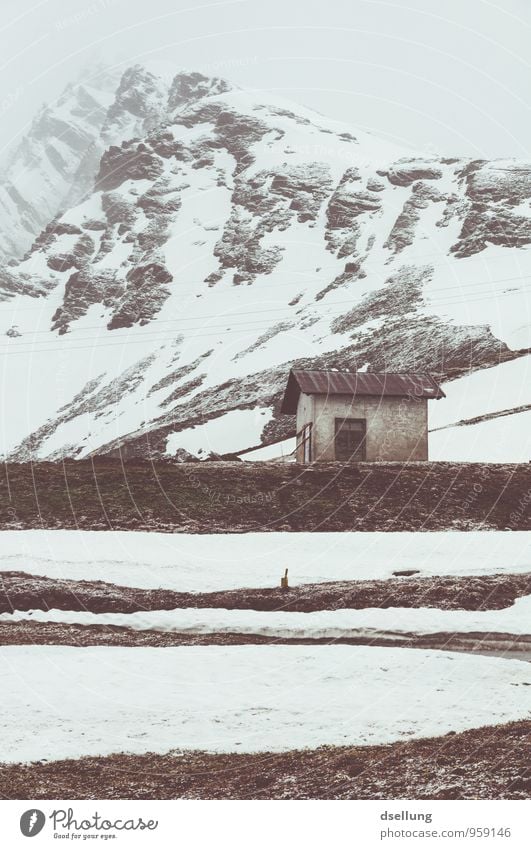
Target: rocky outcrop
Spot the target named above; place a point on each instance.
(183, 390)
(21, 283)
(91, 400)
(481, 228)
(140, 103)
(240, 248)
(118, 210)
(268, 202)
(78, 257)
(237, 133)
(83, 289)
(55, 164)
(304, 187)
(499, 181)
(131, 161)
(353, 271)
(401, 294)
(405, 228)
(408, 171)
(495, 206)
(160, 199)
(189, 87)
(348, 203)
(282, 195)
(146, 291)
(51, 233)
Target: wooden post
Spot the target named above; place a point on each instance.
(284, 581)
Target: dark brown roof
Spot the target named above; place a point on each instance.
(401, 385)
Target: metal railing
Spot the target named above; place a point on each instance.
(302, 439)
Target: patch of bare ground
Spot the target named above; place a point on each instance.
(484, 763)
(55, 633)
(220, 497)
(20, 591)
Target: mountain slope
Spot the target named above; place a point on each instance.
(54, 165)
(231, 235)
(40, 173)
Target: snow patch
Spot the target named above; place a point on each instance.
(63, 702)
(321, 624)
(208, 562)
(222, 435)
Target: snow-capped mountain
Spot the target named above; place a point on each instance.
(42, 172)
(54, 165)
(228, 235)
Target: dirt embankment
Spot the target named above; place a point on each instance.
(485, 763)
(19, 591)
(223, 497)
(492, 592)
(59, 634)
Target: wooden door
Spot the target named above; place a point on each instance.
(350, 440)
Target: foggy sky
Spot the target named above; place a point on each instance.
(441, 76)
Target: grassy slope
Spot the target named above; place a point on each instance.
(221, 497)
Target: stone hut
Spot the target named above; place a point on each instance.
(358, 416)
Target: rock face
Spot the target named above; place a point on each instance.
(82, 290)
(352, 200)
(220, 238)
(406, 225)
(131, 161)
(139, 105)
(54, 166)
(146, 291)
(48, 169)
(407, 171)
(187, 88)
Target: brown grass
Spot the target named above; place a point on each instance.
(485, 763)
(221, 497)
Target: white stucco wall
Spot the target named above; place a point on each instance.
(397, 428)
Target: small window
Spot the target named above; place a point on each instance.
(350, 440)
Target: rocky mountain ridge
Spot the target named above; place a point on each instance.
(229, 235)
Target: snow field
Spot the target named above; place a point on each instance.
(506, 439)
(61, 702)
(488, 390)
(208, 562)
(225, 434)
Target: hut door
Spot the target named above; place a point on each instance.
(350, 440)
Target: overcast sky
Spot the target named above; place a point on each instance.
(448, 76)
